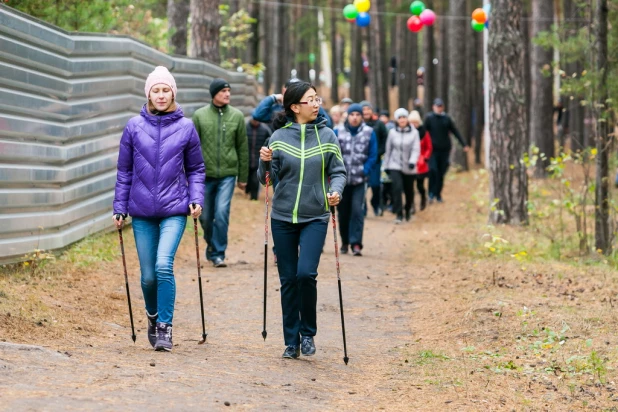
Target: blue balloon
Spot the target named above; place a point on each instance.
(363, 19)
(487, 24)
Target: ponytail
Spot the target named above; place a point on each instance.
(281, 118)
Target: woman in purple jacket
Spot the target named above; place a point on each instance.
(160, 180)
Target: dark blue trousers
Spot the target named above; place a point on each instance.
(299, 247)
(351, 216)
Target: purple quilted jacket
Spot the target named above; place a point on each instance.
(160, 166)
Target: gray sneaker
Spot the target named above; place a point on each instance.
(307, 346)
(219, 263)
(152, 328)
(291, 352)
(164, 337)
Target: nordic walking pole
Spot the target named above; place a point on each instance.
(345, 350)
(199, 278)
(264, 333)
(126, 279)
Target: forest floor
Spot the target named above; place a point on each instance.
(433, 323)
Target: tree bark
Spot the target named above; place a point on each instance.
(378, 71)
(443, 64)
(177, 21)
(458, 105)
(479, 106)
(334, 76)
(541, 92)
(572, 103)
(205, 25)
(429, 53)
(265, 46)
(357, 78)
(509, 125)
(602, 234)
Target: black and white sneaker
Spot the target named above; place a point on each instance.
(164, 337)
(152, 328)
(291, 352)
(307, 346)
(219, 263)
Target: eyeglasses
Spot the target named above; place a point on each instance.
(312, 102)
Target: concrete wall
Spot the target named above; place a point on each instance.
(64, 100)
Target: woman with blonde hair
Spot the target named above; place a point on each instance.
(422, 165)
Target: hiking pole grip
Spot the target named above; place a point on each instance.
(199, 277)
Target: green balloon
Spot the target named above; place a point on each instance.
(476, 26)
(417, 7)
(350, 12)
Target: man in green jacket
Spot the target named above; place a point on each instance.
(223, 135)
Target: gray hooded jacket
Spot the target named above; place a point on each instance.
(305, 158)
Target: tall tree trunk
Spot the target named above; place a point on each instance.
(479, 106)
(429, 53)
(357, 77)
(281, 65)
(458, 106)
(377, 69)
(525, 29)
(334, 73)
(574, 109)
(252, 51)
(205, 25)
(302, 41)
(541, 94)
(602, 232)
(265, 46)
(444, 64)
(177, 21)
(509, 125)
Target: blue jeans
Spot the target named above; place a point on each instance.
(157, 240)
(299, 247)
(216, 217)
(351, 216)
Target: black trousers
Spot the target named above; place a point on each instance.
(299, 247)
(402, 184)
(438, 166)
(420, 185)
(253, 185)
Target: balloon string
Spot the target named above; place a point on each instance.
(395, 14)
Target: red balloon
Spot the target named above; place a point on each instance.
(415, 24)
(351, 20)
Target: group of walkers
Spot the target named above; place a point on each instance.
(170, 167)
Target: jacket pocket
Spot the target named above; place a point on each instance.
(311, 201)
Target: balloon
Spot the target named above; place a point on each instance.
(362, 6)
(350, 11)
(428, 17)
(351, 20)
(487, 24)
(417, 7)
(476, 26)
(414, 24)
(479, 16)
(363, 19)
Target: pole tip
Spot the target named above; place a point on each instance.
(203, 339)
(133, 337)
(346, 359)
(264, 334)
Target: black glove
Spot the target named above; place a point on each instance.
(411, 166)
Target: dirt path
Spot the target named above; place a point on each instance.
(409, 294)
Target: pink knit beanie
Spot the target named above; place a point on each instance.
(160, 75)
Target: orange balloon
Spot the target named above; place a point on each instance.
(479, 16)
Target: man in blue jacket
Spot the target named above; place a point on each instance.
(359, 148)
(272, 104)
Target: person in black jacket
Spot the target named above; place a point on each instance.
(440, 125)
(257, 134)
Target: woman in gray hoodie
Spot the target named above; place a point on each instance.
(305, 157)
(402, 150)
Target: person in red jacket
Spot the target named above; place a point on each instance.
(422, 166)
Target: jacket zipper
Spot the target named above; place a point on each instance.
(157, 165)
(302, 172)
(219, 143)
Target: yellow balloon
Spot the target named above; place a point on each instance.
(362, 5)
